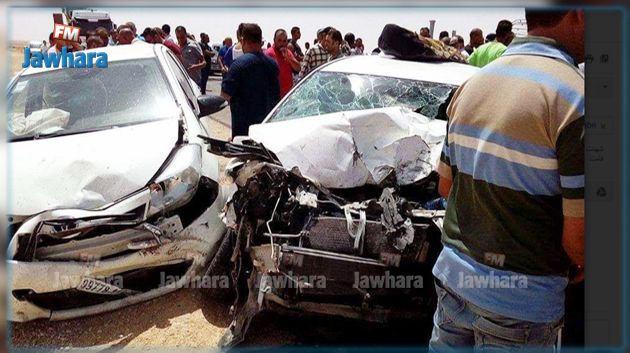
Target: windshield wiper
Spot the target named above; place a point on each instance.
(40, 136)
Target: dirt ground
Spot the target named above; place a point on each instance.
(191, 320)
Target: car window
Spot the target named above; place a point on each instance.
(182, 78)
(331, 92)
(76, 100)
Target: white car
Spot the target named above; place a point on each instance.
(337, 210)
(113, 199)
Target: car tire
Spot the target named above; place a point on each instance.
(220, 267)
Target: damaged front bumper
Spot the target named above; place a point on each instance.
(67, 263)
(365, 253)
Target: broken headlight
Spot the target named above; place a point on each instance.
(177, 183)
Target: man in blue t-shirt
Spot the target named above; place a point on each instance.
(251, 85)
(227, 44)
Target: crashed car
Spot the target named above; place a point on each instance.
(113, 199)
(337, 210)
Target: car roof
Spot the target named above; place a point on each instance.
(138, 50)
(382, 65)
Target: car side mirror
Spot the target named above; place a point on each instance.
(209, 104)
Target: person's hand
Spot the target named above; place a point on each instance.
(576, 274)
(284, 53)
(224, 69)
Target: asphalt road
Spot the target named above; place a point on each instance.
(192, 320)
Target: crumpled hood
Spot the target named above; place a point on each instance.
(86, 170)
(355, 148)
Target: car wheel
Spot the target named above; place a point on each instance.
(220, 270)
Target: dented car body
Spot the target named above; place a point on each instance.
(113, 190)
(333, 211)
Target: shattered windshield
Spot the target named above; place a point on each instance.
(68, 101)
(331, 92)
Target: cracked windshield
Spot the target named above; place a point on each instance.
(331, 92)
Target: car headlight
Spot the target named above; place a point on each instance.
(176, 185)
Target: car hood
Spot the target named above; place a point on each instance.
(354, 148)
(86, 170)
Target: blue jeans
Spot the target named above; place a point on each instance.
(459, 325)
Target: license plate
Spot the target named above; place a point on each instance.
(95, 286)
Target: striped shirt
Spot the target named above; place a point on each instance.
(515, 154)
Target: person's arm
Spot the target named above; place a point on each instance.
(444, 187)
(201, 63)
(570, 155)
(207, 53)
(444, 169)
(222, 65)
(295, 65)
(305, 64)
(230, 83)
(472, 59)
(226, 96)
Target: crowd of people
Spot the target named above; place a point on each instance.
(247, 82)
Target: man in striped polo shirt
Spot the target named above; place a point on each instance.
(513, 170)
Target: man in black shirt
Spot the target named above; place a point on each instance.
(295, 36)
(251, 85)
(208, 54)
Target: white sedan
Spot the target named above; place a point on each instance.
(337, 210)
(113, 200)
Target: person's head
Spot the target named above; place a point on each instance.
(44, 42)
(132, 26)
(425, 32)
(114, 34)
(349, 38)
(358, 43)
(146, 31)
(307, 45)
(321, 34)
(51, 39)
(227, 41)
(103, 34)
(166, 29)
(121, 27)
(295, 33)
(251, 37)
(95, 42)
(268, 45)
(280, 38)
(476, 38)
(239, 32)
(182, 35)
(491, 37)
(565, 26)
(204, 38)
(457, 42)
(333, 41)
(153, 36)
(125, 36)
(504, 32)
(443, 34)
